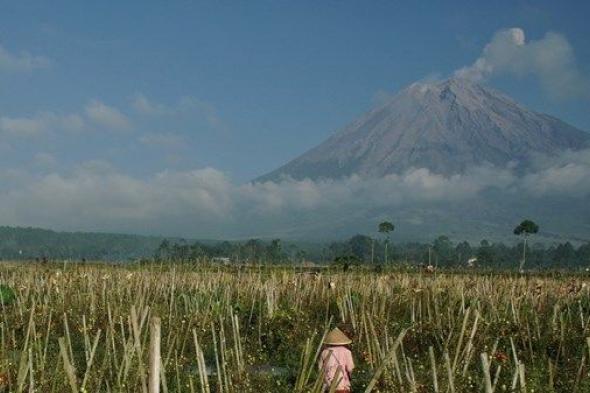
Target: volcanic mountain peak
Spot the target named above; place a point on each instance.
(456, 90)
(446, 127)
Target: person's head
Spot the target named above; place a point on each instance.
(336, 338)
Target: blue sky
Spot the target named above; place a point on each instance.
(141, 88)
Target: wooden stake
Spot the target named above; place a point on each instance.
(487, 380)
(155, 358)
(433, 366)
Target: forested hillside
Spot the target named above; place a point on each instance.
(31, 243)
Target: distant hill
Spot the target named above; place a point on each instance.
(31, 243)
(446, 127)
(17, 243)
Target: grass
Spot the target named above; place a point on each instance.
(223, 329)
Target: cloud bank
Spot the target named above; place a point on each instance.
(206, 203)
(551, 59)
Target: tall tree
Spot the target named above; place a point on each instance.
(163, 251)
(583, 254)
(485, 253)
(274, 250)
(443, 247)
(464, 252)
(360, 246)
(525, 229)
(386, 227)
(565, 255)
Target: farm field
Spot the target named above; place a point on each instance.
(230, 329)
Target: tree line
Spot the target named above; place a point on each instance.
(253, 250)
(379, 249)
(363, 249)
(443, 252)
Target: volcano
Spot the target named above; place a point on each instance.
(446, 127)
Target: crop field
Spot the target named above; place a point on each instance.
(222, 329)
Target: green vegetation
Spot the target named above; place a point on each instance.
(386, 227)
(257, 328)
(525, 229)
(31, 244)
(7, 295)
(360, 249)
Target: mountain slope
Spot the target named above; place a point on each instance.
(446, 127)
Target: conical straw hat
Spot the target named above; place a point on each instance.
(336, 337)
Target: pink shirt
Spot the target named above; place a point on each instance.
(336, 361)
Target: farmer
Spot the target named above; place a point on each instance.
(336, 361)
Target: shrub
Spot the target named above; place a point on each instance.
(7, 295)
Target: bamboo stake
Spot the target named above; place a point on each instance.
(69, 368)
(433, 368)
(155, 357)
(381, 367)
(449, 373)
(485, 365)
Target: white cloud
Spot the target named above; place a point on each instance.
(107, 116)
(551, 59)
(186, 105)
(565, 174)
(100, 196)
(39, 124)
(570, 179)
(26, 127)
(22, 61)
(207, 203)
(145, 106)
